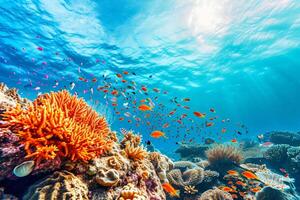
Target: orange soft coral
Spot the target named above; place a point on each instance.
(135, 153)
(58, 124)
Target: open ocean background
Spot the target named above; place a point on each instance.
(240, 57)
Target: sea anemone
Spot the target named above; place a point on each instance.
(220, 156)
(135, 153)
(58, 124)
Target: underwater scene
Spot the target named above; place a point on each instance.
(150, 100)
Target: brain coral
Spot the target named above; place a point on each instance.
(215, 194)
(189, 177)
(60, 185)
(58, 124)
(221, 155)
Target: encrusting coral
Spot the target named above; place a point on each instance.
(60, 185)
(130, 192)
(277, 153)
(220, 156)
(215, 194)
(59, 125)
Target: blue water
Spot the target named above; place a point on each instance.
(239, 57)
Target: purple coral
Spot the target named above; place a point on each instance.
(11, 153)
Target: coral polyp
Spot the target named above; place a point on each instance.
(58, 124)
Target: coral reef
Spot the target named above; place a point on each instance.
(11, 153)
(59, 132)
(135, 153)
(10, 98)
(277, 153)
(215, 194)
(162, 165)
(278, 137)
(222, 156)
(58, 124)
(268, 193)
(60, 185)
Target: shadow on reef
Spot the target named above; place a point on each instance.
(58, 148)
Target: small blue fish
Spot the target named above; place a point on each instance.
(24, 169)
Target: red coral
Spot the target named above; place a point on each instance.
(58, 124)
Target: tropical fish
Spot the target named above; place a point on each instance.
(24, 168)
(158, 134)
(266, 144)
(232, 172)
(227, 189)
(256, 189)
(186, 99)
(212, 110)
(234, 141)
(170, 190)
(198, 114)
(249, 175)
(72, 85)
(208, 124)
(144, 107)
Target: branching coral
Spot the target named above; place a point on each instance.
(221, 155)
(130, 138)
(190, 189)
(135, 153)
(58, 124)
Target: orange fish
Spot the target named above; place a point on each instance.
(81, 78)
(232, 172)
(249, 175)
(227, 189)
(144, 89)
(158, 134)
(125, 72)
(241, 183)
(257, 189)
(144, 107)
(166, 125)
(234, 141)
(94, 80)
(124, 81)
(121, 118)
(223, 130)
(208, 124)
(114, 92)
(170, 190)
(198, 114)
(119, 75)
